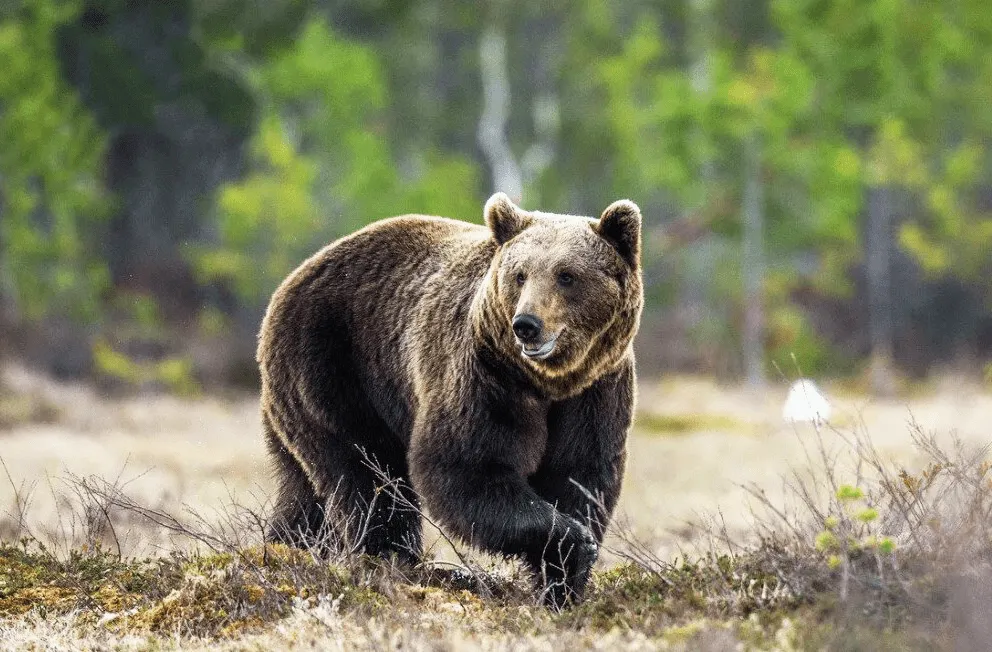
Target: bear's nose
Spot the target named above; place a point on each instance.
(527, 327)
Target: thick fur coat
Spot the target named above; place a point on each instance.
(488, 371)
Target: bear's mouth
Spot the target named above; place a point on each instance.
(541, 351)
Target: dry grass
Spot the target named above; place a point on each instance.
(141, 526)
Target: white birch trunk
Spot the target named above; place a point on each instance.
(506, 175)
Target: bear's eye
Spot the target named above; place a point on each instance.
(565, 279)
(521, 277)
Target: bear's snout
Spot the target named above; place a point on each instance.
(527, 328)
(533, 338)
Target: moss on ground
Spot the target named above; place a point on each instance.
(197, 595)
(707, 603)
(715, 587)
(94, 579)
(653, 423)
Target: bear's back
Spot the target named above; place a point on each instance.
(394, 264)
(375, 269)
(367, 300)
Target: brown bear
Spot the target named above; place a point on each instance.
(489, 372)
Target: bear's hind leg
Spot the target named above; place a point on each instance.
(343, 459)
(375, 504)
(298, 517)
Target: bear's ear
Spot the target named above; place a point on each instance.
(620, 224)
(504, 218)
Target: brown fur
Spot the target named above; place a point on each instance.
(395, 343)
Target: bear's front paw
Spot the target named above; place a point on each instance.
(566, 566)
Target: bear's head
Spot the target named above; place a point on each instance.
(567, 288)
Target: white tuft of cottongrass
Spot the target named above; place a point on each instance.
(805, 403)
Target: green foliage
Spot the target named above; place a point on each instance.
(50, 172)
(851, 530)
(257, 28)
(954, 237)
(333, 93)
(130, 60)
(320, 166)
(174, 374)
(846, 493)
(893, 74)
(794, 346)
(336, 115)
(265, 221)
(684, 131)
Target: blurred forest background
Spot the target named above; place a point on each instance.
(814, 175)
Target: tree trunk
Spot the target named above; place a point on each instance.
(495, 114)
(878, 243)
(753, 263)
